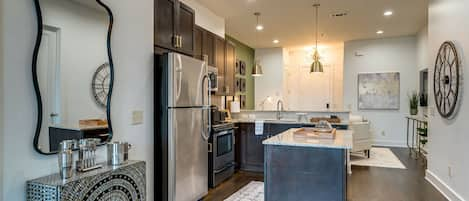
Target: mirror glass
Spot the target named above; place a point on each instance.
(73, 72)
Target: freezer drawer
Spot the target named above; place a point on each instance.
(187, 171)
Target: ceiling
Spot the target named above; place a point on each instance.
(292, 21)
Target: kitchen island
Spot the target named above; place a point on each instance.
(299, 167)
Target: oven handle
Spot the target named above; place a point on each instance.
(229, 165)
(221, 133)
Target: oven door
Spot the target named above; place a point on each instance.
(223, 150)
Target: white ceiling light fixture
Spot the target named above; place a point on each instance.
(257, 68)
(316, 66)
(388, 13)
(276, 41)
(379, 32)
(259, 27)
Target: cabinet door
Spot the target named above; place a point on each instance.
(220, 64)
(252, 149)
(230, 59)
(165, 18)
(186, 25)
(209, 47)
(198, 42)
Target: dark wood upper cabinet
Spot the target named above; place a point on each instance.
(204, 45)
(198, 42)
(230, 66)
(225, 62)
(174, 26)
(209, 47)
(165, 23)
(220, 64)
(186, 28)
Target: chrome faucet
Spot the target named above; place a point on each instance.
(279, 109)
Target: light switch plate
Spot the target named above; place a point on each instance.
(137, 117)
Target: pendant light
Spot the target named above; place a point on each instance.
(316, 66)
(257, 68)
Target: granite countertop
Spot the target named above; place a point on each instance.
(343, 140)
(282, 121)
(302, 111)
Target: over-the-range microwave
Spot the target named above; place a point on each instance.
(213, 76)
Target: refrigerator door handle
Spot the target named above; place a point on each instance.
(179, 76)
(206, 108)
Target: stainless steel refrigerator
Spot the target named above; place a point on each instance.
(183, 127)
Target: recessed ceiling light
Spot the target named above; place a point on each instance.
(259, 27)
(380, 32)
(388, 13)
(276, 41)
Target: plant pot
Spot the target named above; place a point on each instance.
(414, 111)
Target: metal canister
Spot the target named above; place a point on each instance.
(117, 152)
(66, 158)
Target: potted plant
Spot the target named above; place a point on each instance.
(414, 103)
(423, 100)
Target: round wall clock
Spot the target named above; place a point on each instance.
(446, 78)
(100, 84)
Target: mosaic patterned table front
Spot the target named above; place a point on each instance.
(123, 183)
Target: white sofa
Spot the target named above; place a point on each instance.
(362, 137)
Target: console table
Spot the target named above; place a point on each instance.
(416, 134)
(126, 182)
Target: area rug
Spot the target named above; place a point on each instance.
(379, 157)
(254, 191)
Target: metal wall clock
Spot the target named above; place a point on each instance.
(100, 84)
(446, 80)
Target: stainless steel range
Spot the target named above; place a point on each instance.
(221, 152)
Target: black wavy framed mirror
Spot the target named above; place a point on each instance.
(73, 72)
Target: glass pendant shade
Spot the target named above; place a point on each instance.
(257, 70)
(316, 66)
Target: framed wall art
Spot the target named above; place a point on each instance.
(379, 91)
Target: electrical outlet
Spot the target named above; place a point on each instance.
(137, 117)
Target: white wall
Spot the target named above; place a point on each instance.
(312, 91)
(206, 19)
(287, 78)
(382, 55)
(133, 53)
(449, 139)
(271, 83)
(422, 49)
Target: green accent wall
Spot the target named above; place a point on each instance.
(246, 54)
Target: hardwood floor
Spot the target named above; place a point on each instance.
(230, 186)
(365, 184)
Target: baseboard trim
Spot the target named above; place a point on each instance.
(441, 186)
(384, 143)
